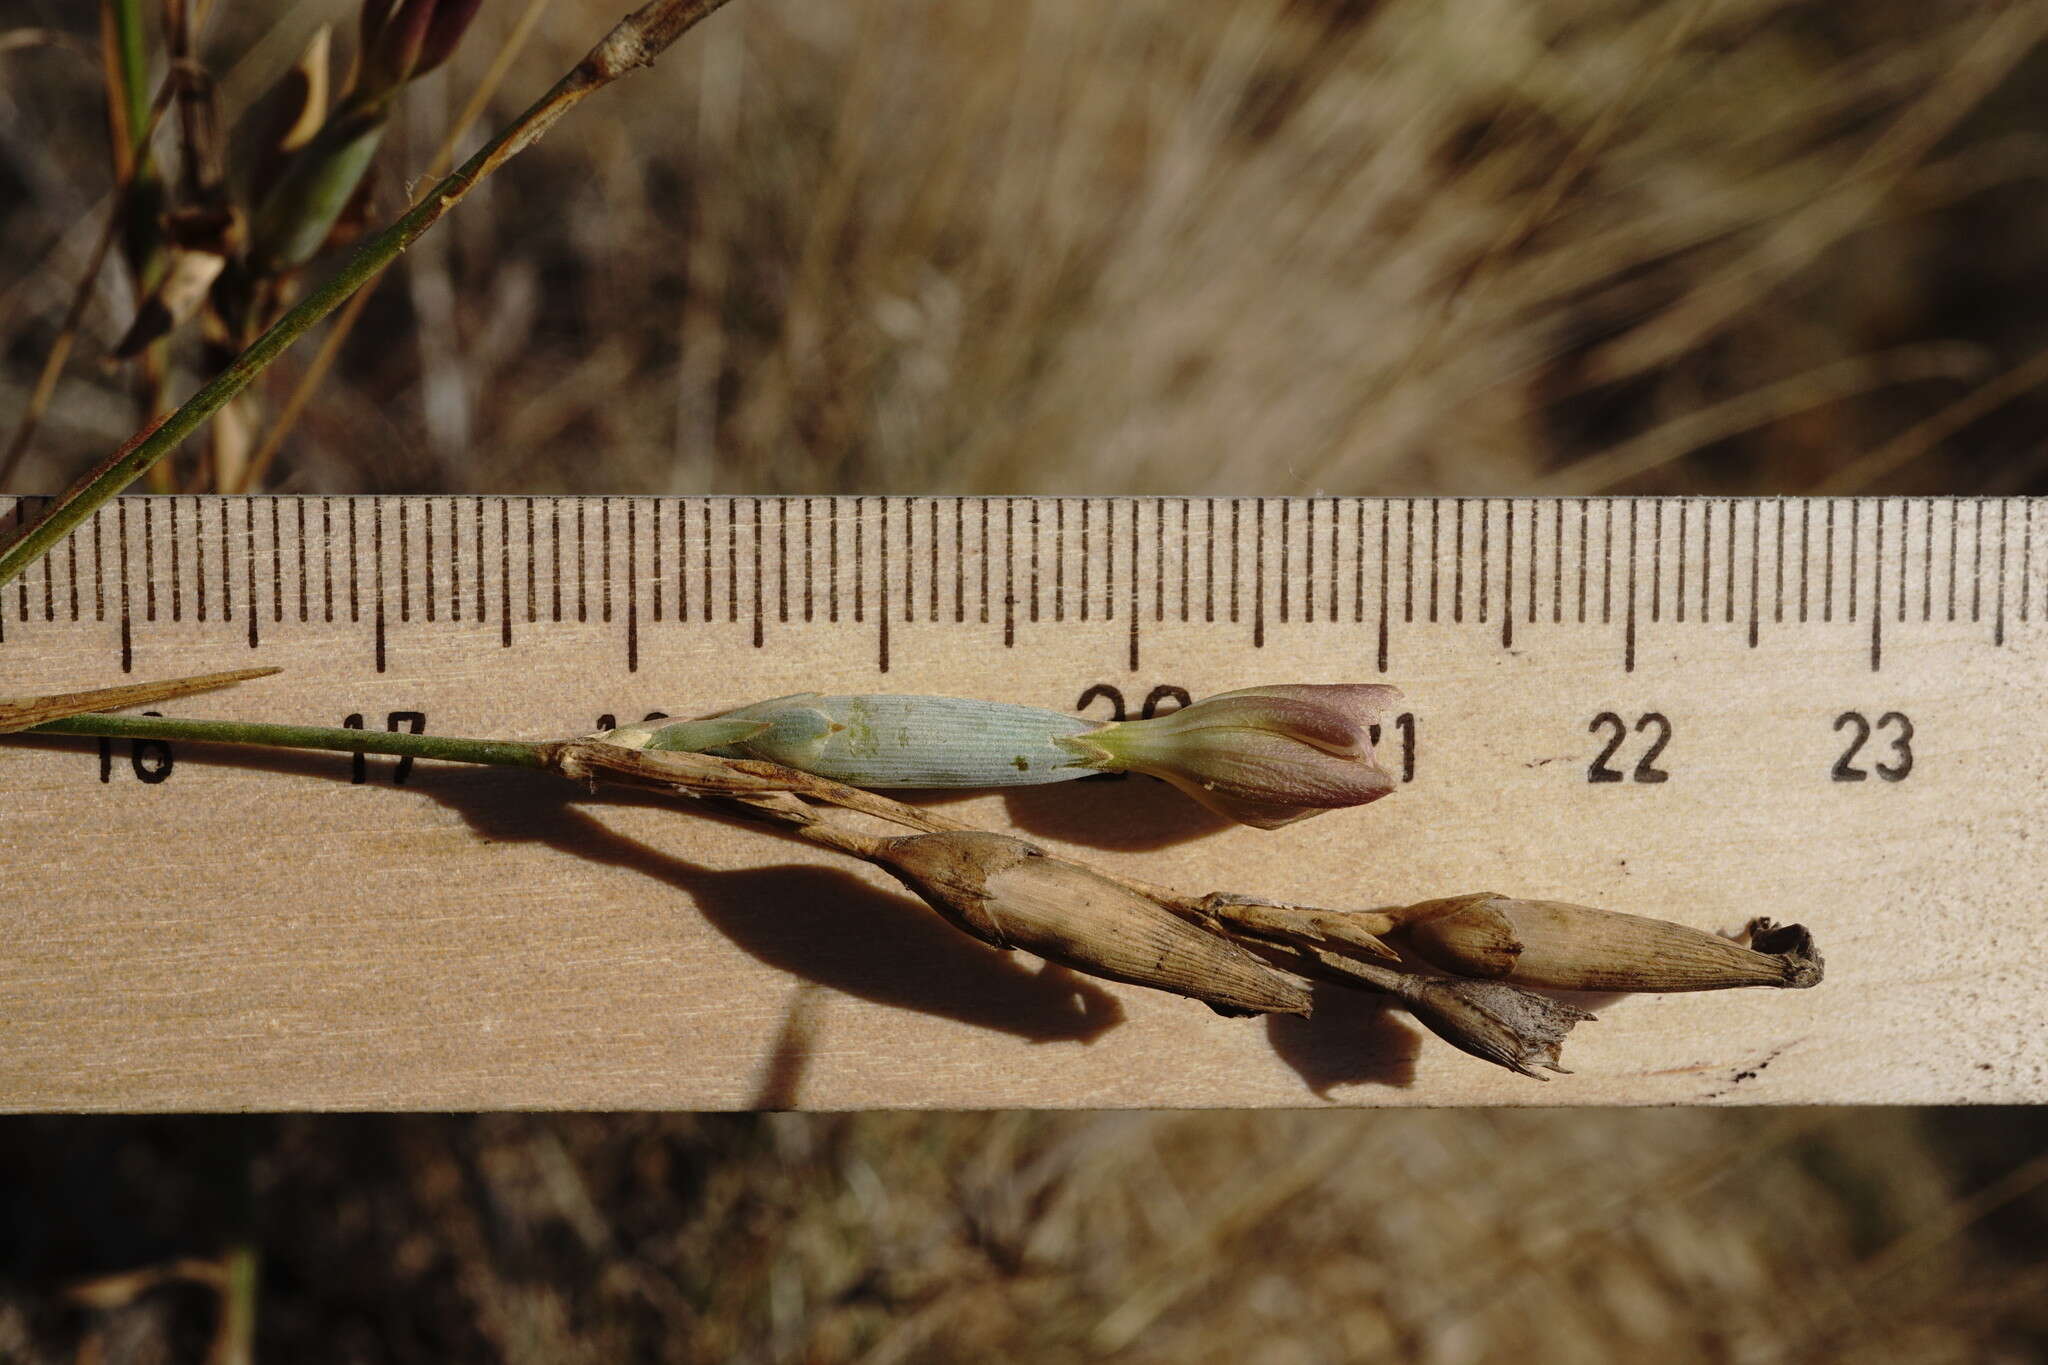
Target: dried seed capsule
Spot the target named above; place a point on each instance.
(1576, 947)
(1011, 894)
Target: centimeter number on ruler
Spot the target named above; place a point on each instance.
(1610, 569)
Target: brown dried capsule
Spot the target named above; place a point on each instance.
(1579, 948)
(1011, 894)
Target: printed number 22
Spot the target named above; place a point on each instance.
(1646, 769)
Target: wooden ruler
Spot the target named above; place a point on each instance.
(1702, 709)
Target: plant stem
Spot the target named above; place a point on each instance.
(128, 193)
(499, 753)
(634, 43)
(128, 97)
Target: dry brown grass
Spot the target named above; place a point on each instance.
(1270, 1238)
(1421, 245)
(1337, 246)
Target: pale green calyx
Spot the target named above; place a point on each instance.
(884, 740)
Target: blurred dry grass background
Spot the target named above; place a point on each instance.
(962, 245)
(1283, 245)
(1267, 1239)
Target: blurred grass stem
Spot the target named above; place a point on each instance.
(128, 86)
(634, 43)
(135, 173)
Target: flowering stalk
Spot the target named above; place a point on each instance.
(1003, 890)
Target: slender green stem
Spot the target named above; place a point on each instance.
(634, 43)
(135, 219)
(131, 54)
(499, 753)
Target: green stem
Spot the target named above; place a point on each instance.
(132, 60)
(136, 213)
(634, 43)
(500, 753)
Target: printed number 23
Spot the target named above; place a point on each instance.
(1900, 733)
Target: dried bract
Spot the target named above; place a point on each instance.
(286, 118)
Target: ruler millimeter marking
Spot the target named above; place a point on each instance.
(1606, 574)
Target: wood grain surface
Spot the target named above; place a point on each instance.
(226, 930)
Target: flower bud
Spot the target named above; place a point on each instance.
(1575, 947)
(1264, 756)
(451, 20)
(401, 40)
(393, 33)
(886, 740)
(1011, 894)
